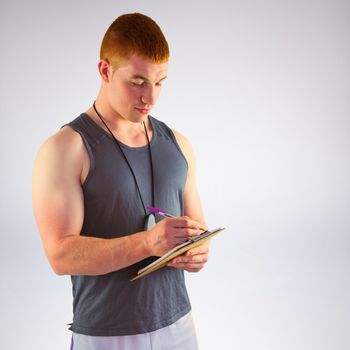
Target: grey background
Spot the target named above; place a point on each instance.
(261, 88)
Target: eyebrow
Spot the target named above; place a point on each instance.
(138, 76)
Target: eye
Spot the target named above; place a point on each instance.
(138, 83)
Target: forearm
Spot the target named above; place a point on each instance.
(80, 255)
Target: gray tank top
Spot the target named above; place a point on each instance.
(110, 305)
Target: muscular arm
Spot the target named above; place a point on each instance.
(59, 212)
(194, 259)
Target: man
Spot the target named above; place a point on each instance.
(92, 183)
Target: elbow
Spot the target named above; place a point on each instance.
(57, 261)
(57, 267)
(58, 257)
(59, 271)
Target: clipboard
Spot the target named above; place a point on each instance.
(178, 250)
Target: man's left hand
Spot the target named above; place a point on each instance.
(193, 260)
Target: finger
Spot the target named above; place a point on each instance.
(186, 233)
(190, 267)
(202, 249)
(195, 259)
(186, 222)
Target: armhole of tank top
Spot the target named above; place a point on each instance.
(173, 138)
(90, 154)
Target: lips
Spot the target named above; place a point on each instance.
(142, 110)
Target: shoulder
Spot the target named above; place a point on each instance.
(185, 146)
(64, 141)
(181, 139)
(62, 151)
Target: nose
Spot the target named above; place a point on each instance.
(149, 95)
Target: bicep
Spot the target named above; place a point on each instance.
(192, 202)
(57, 196)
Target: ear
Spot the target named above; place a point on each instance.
(105, 70)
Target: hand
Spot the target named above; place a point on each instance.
(169, 233)
(193, 260)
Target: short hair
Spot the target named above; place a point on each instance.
(134, 33)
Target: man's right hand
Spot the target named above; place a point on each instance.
(170, 232)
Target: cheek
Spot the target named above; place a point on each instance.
(158, 93)
(130, 93)
(124, 93)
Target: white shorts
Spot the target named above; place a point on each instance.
(180, 335)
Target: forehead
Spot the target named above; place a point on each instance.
(139, 66)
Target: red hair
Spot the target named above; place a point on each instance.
(134, 33)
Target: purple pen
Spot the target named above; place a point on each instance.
(160, 212)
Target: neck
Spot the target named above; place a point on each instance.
(126, 131)
(116, 122)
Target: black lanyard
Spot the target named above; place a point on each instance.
(126, 159)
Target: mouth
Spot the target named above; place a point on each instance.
(143, 110)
